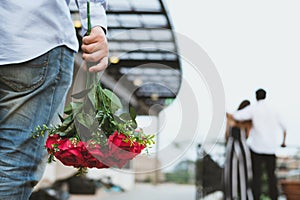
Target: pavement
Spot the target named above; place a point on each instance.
(144, 192)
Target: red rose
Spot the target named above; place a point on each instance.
(51, 141)
(70, 153)
(70, 157)
(95, 156)
(91, 161)
(118, 142)
(137, 148)
(96, 152)
(81, 145)
(65, 144)
(88, 154)
(121, 149)
(100, 165)
(91, 154)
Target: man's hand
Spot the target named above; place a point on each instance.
(95, 49)
(230, 120)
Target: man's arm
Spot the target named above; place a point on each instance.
(284, 138)
(283, 125)
(244, 114)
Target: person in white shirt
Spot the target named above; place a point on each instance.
(266, 125)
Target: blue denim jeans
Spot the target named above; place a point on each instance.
(31, 94)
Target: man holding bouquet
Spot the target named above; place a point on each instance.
(36, 65)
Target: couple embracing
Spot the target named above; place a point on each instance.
(251, 144)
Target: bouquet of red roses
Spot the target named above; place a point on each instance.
(92, 134)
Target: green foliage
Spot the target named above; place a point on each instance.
(181, 177)
(94, 116)
(181, 173)
(264, 197)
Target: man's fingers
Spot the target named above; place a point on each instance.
(86, 40)
(97, 35)
(102, 65)
(91, 48)
(94, 57)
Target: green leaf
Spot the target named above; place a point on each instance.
(115, 102)
(81, 171)
(40, 131)
(134, 124)
(66, 123)
(51, 158)
(92, 98)
(61, 118)
(121, 119)
(100, 114)
(76, 106)
(132, 113)
(81, 94)
(68, 109)
(85, 119)
(73, 107)
(69, 131)
(125, 116)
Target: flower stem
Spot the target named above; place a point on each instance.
(91, 77)
(88, 18)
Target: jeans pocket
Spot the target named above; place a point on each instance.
(25, 76)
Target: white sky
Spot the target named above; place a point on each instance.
(253, 44)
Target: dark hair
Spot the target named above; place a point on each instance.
(260, 94)
(243, 104)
